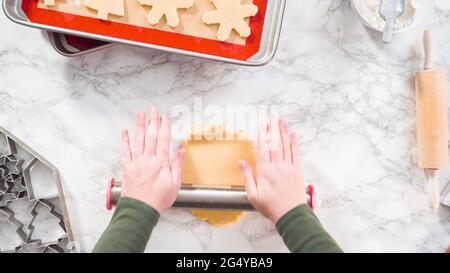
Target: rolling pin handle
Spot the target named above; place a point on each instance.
(428, 48)
(109, 187)
(310, 192)
(432, 188)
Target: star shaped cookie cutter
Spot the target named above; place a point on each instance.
(10, 164)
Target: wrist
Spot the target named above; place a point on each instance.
(136, 204)
(297, 211)
(275, 218)
(145, 201)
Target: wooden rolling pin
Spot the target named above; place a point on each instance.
(431, 109)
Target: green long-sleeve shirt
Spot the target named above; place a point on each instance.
(133, 223)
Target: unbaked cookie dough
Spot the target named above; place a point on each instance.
(105, 7)
(211, 160)
(49, 2)
(168, 8)
(218, 218)
(230, 14)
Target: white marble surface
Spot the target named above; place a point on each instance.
(349, 97)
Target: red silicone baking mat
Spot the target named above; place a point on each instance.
(152, 36)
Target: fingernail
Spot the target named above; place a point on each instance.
(293, 136)
(125, 136)
(242, 164)
(283, 122)
(254, 145)
(180, 153)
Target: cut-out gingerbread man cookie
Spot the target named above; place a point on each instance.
(105, 7)
(168, 8)
(230, 14)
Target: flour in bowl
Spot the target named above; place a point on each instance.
(415, 12)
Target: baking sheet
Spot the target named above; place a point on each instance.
(90, 27)
(136, 15)
(71, 46)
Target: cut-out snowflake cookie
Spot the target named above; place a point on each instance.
(230, 14)
(105, 7)
(168, 8)
(49, 2)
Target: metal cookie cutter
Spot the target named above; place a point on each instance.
(32, 247)
(10, 167)
(37, 246)
(11, 188)
(52, 211)
(10, 164)
(232, 199)
(60, 246)
(11, 184)
(37, 184)
(6, 198)
(13, 221)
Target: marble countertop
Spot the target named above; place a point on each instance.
(349, 98)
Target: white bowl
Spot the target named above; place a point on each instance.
(425, 11)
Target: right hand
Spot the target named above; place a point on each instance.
(278, 184)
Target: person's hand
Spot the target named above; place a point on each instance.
(149, 175)
(277, 185)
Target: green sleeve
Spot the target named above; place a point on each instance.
(302, 232)
(129, 229)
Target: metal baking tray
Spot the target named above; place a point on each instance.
(72, 46)
(32, 205)
(268, 46)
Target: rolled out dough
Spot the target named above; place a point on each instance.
(218, 217)
(214, 163)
